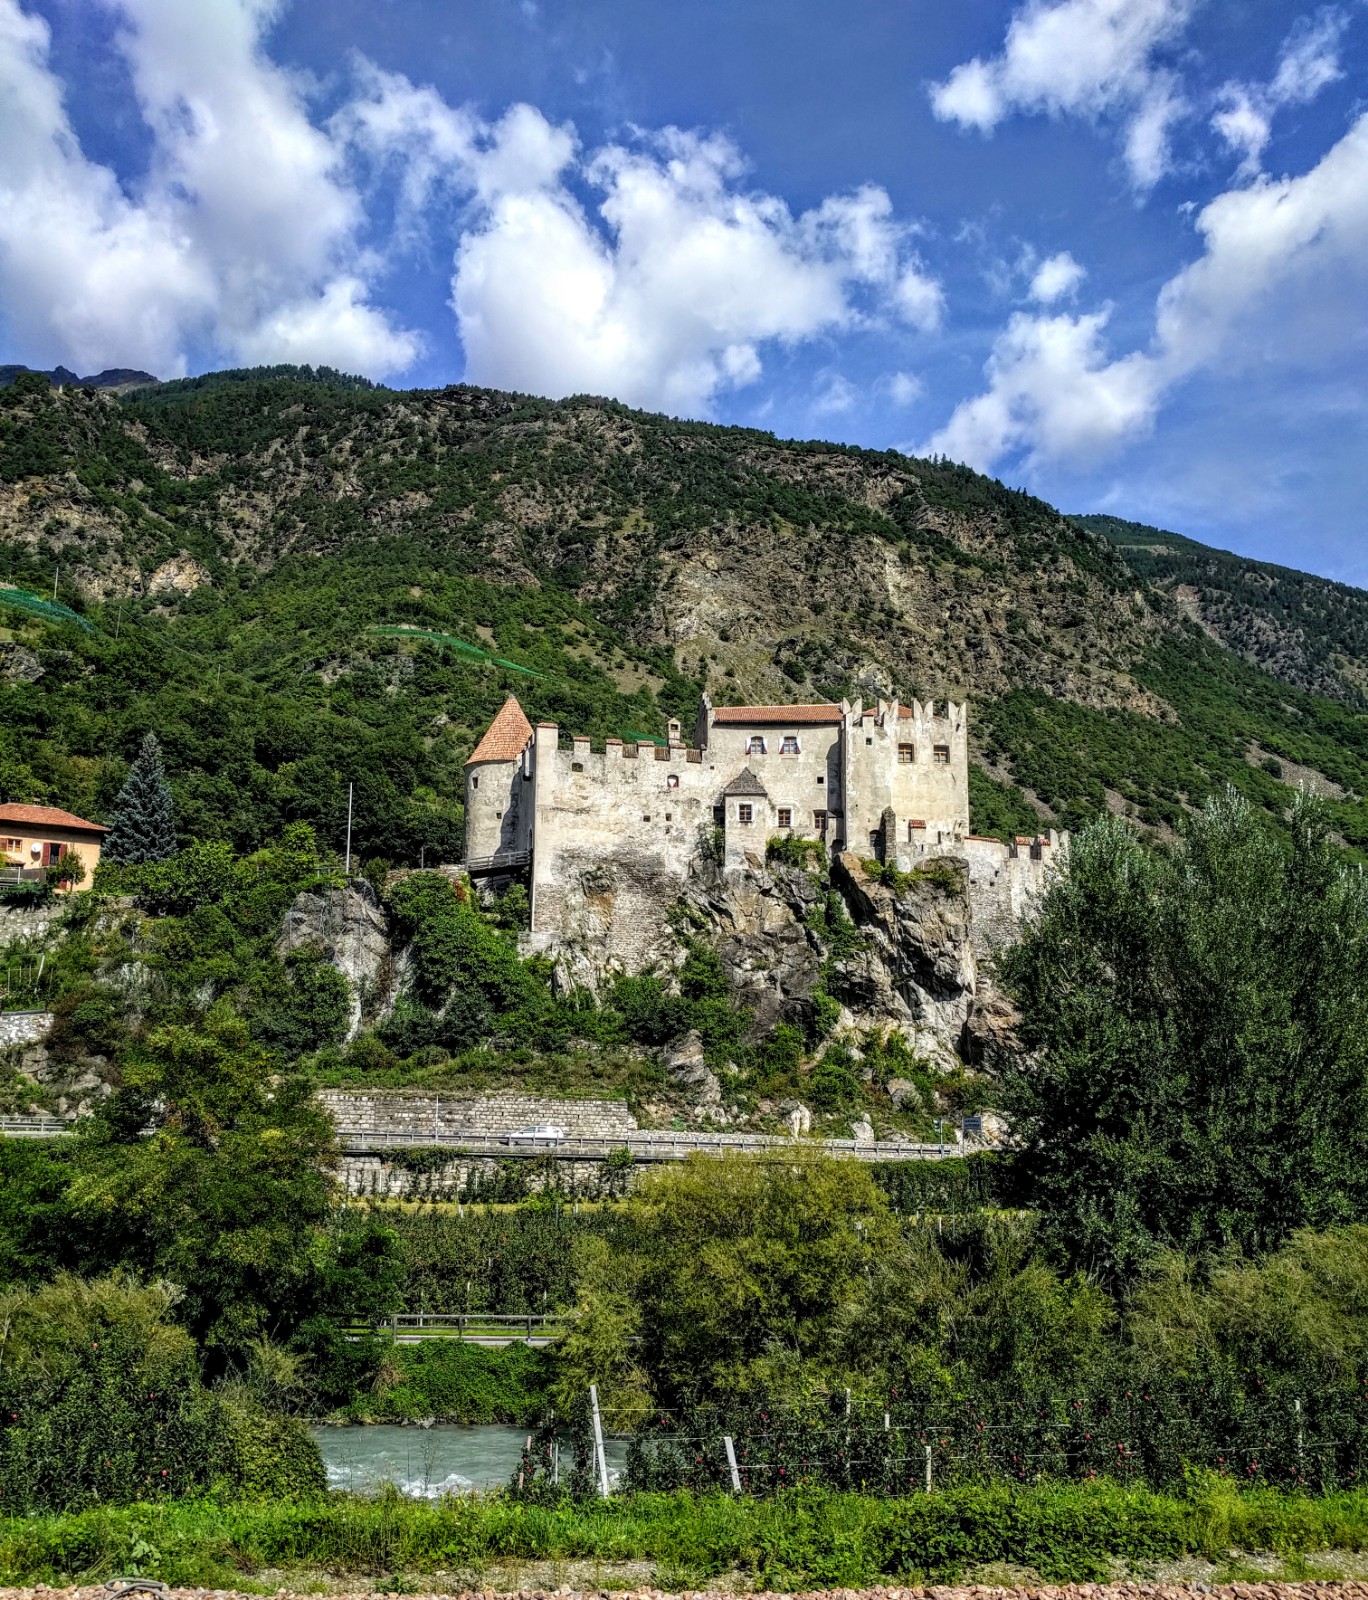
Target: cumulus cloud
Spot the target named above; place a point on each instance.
(662, 290)
(1280, 283)
(244, 238)
(1307, 63)
(1056, 277)
(905, 388)
(1079, 57)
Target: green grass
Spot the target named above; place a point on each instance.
(800, 1538)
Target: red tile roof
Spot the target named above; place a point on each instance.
(506, 737)
(47, 817)
(733, 715)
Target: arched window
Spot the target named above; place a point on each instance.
(672, 782)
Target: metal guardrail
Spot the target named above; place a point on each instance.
(644, 1145)
(34, 1127)
(469, 1327)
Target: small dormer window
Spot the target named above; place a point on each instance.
(755, 745)
(789, 746)
(906, 755)
(941, 755)
(744, 813)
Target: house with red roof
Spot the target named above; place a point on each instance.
(33, 838)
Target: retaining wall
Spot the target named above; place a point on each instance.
(382, 1179)
(490, 1114)
(24, 1027)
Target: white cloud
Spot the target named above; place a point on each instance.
(1280, 285)
(905, 388)
(665, 293)
(1078, 57)
(1307, 63)
(244, 238)
(837, 395)
(1056, 277)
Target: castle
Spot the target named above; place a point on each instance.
(607, 837)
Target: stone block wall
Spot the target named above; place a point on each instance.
(24, 1027)
(398, 1114)
(380, 1178)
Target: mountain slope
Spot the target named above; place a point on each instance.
(236, 539)
(1309, 631)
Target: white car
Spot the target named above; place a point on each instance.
(539, 1133)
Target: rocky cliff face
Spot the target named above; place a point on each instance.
(898, 952)
(348, 927)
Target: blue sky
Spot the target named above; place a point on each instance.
(1115, 251)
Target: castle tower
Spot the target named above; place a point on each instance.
(498, 789)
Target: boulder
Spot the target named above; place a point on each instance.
(862, 1128)
(905, 1096)
(690, 1072)
(797, 1115)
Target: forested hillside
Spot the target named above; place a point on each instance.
(299, 581)
(1306, 630)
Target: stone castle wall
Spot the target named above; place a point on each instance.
(1005, 882)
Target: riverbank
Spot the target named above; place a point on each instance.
(802, 1539)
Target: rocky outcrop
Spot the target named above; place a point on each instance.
(182, 574)
(347, 926)
(759, 922)
(916, 964)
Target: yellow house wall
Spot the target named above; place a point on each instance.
(86, 846)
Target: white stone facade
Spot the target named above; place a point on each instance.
(611, 834)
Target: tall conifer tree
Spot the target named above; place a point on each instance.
(143, 827)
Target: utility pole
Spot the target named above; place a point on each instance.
(347, 869)
(601, 1460)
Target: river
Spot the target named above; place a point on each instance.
(429, 1462)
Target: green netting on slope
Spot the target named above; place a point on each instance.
(35, 605)
(452, 643)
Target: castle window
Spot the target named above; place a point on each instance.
(941, 755)
(744, 813)
(819, 819)
(646, 817)
(906, 755)
(869, 741)
(475, 783)
(755, 745)
(785, 817)
(672, 782)
(577, 766)
(789, 746)
(821, 781)
(668, 817)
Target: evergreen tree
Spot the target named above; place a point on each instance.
(143, 827)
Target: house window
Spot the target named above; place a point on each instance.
(819, 822)
(755, 745)
(906, 755)
(941, 755)
(789, 746)
(785, 817)
(11, 844)
(744, 813)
